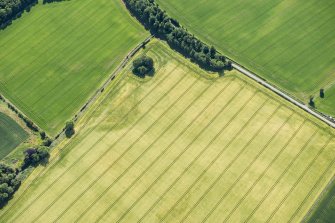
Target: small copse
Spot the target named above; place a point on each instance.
(69, 129)
(143, 66)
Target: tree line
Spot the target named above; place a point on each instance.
(11, 9)
(159, 23)
(10, 178)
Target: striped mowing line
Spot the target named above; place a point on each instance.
(297, 182)
(116, 124)
(262, 175)
(302, 149)
(242, 174)
(134, 162)
(128, 149)
(187, 147)
(179, 135)
(225, 170)
(198, 156)
(151, 108)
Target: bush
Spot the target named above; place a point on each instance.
(143, 66)
(47, 142)
(35, 157)
(69, 129)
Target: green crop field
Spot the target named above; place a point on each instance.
(11, 135)
(54, 57)
(290, 43)
(324, 211)
(183, 146)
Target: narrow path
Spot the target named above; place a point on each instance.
(99, 91)
(282, 94)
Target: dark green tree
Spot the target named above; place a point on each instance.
(143, 66)
(322, 93)
(69, 129)
(35, 157)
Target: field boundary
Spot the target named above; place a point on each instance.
(283, 94)
(100, 90)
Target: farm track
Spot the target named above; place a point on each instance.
(283, 94)
(126, 151)
(100, 139)
(126, 170)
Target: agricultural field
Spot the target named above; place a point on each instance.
(324, 211)
(289, 43)
(11, 135)
(182, 146)
(57, 55)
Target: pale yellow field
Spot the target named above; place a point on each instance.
(183, 147)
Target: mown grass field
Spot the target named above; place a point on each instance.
(290, 43)
(56, 56)
(11, 135)
(182, 146)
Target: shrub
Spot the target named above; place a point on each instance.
(35, 157)
(69, 129)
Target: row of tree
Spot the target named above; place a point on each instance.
(160, 24)
(8, 183)
(11, 9)
(50, 1)
(9, 177)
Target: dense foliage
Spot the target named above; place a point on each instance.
(35, 156)
(143, 66)
(50, 1)
(159, 23)
(8, 183)
(69, 129)
(10, 9)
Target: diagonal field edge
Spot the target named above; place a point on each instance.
(116, 124)
(112, 91)
(124, 172)
(54, 159)
(127, 150)
(158, 101)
